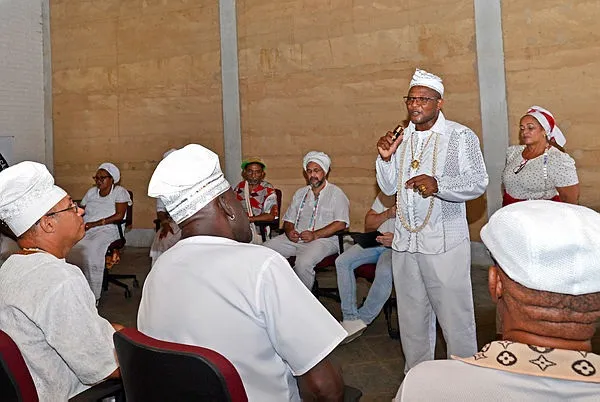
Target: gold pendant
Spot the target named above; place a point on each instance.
(415, 164)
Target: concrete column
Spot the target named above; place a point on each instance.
(492, 94)
(232, 132)
(47, 82)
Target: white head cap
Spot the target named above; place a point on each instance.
(187, 180)
(320, 158)
(27, 192)
(112, 170)
(546, 120)
(547, 245)
(422, 78)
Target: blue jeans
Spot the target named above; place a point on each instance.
(380, 290)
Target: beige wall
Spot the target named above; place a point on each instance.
(132, 79)
(331, 75)
(552, 60)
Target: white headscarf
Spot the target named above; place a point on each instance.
(187, 180)
(422, 78)
(27, 193)
(112, 170)
(546, 119)
(320, 158)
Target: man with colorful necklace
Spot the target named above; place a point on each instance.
(46, 304)
(317, 211)
(546, 283)
(433, 167)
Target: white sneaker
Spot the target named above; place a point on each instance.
(354, 328)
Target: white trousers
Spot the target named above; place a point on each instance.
(88, 254)
(307, 254)
(435, 285)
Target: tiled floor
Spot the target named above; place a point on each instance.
(372, 363)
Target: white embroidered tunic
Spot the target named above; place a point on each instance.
(460, 174)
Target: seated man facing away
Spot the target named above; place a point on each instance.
(46, 305)
(316, 213)
(546, 282)
(257, 196)
(241, 300)
(169, 233)
(380, 217)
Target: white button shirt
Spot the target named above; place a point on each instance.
(460, 174)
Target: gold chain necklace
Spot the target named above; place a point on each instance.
(417, 161)
(399, 211)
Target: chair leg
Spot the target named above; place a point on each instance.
(387, 311)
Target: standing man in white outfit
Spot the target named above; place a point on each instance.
(211, 289)
(316, 213)
(434, 166)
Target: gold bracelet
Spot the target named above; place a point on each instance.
(103, 221)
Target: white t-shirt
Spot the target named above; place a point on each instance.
(308, 213)
(98, 207)
(387, 226)
(245, 302)
(48, 309)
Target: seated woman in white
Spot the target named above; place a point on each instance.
(104, 205)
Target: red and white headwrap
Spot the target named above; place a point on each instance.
(546, 119)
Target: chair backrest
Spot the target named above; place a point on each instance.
(154, 370)
(16, 383)
(125, 223)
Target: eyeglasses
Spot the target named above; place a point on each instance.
(74, 207)
(100, 178)
(420, 100)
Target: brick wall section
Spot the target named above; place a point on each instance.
(551, 50)
(132, 79)
(330, 75)
(21, 78)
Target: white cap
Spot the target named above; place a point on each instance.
(547, 245)
(320, 158)
(422, 78)
(186, 180)
(112, 170)
(27, 192)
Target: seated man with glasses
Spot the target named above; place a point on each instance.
(46, 305)
(105, 204)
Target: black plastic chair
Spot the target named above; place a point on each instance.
(155, 370)
(115, 279)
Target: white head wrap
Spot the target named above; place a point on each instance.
(320, 158)
(546, 119)
(112, 170)
(547, 245)
(170, 151)
(27, 193)
(422, 78)
(187, 180)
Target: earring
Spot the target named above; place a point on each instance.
(232, 217)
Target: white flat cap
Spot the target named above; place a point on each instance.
(27, 192)
(547, 245)
(186, 180)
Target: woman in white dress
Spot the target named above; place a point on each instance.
(105, 204)
(539, 169)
